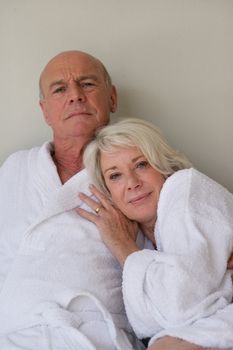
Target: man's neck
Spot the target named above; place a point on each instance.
(68, 158)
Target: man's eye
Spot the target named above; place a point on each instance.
(87, 85)
(141, 165)
(59, 90)
(114, 176)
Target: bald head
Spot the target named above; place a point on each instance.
(77, 96)
(66, 58)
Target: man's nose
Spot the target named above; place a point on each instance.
(76, 94)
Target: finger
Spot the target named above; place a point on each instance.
(230, 262)
(89, 201)
(87, 215)
(104, 200)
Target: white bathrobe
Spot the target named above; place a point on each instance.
(60, 288)
(183, 288)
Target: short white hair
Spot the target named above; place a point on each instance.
(132, 132)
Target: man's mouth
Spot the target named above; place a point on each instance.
(78, 114)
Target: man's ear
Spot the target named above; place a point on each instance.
(44, 110)
(113, 99)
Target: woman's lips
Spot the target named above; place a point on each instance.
(140, 198)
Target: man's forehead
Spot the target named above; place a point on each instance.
(76, 69)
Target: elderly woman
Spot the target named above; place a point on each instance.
(178, 285)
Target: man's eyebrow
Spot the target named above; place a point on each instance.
(85, 77)
(57, 82)
(81, 78)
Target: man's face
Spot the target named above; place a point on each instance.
(76, 97)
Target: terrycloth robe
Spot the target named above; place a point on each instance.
(183, 288)
(60, 287)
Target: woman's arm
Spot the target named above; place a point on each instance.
(174, 288)
(171, 343)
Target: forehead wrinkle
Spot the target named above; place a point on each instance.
(66, 75)
(77, 80)
(57, 82)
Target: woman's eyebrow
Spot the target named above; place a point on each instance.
(111, 168)
(136, 158)
(114, 167)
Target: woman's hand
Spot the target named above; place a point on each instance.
(230, 262)
(118, 232)
(230, 265)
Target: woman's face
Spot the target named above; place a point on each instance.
(133, 184)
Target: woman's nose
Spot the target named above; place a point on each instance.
(133, 182)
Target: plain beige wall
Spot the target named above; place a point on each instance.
(172, 61)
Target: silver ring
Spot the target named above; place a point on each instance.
(97, 210)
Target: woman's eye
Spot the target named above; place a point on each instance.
(114, 177)
(142, 164)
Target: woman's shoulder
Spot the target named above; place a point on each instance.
(176, 185)
(195, 182)
(189, 188)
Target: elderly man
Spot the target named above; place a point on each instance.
(60, 286)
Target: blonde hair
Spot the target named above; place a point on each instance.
(138, 133)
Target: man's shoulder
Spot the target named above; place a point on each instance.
(21, 156)
(18, 155)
